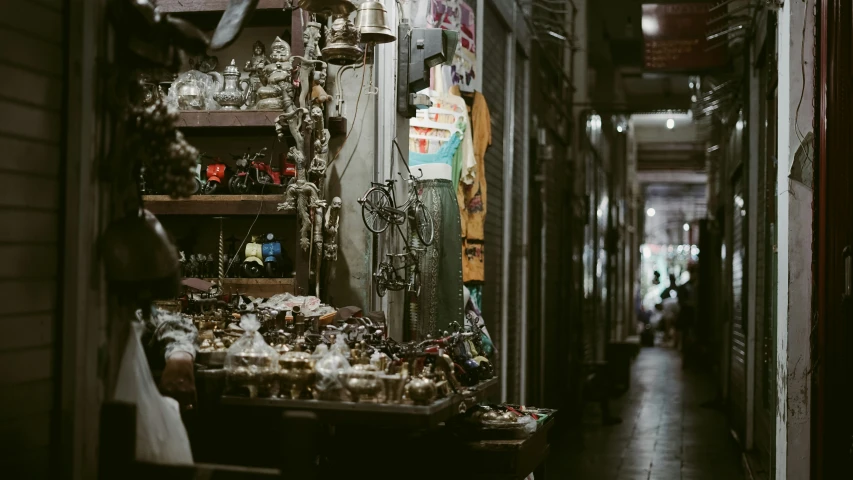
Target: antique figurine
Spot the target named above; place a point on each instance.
(332, 223)
(342, 41)
(255, 69)
(311, 38)
(276, 76)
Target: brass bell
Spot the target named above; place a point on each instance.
(342, 43)
(334, 7)
(370, 21)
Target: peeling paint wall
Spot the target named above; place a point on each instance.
(796, 86)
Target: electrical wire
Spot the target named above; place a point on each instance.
(800, 137)
(355, 115)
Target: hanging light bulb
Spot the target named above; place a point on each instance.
(670, 123)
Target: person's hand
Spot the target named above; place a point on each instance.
(178, 380)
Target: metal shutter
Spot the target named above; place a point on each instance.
(516, 248)
(494, 89)
(31, 177)
(737, 379)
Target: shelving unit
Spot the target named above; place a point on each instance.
(228, 118)
(180, 6)
(257, 287)
(215, 205)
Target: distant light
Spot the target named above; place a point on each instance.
(693, 98)
(650, 26)
(692, 84)
(650, 212)
(686, 227)
(598, 213)
(739, 125)
(556, 35)
(670, 123)
(619, 128)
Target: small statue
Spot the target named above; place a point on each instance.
(255, 69)
(332, 223)
(318, 93)
(276, 74)
(311, 39)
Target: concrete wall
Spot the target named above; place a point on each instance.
(793, 424)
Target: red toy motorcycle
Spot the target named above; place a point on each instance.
(217, 175)
(259, 176)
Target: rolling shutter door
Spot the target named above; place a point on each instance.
(516, 249)
(494, 89)
(31, 177)
(737, 379)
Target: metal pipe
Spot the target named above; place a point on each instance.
(508, 148)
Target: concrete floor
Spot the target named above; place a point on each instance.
(665, 435)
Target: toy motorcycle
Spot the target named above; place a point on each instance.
(271, 250)
(217, 174)
(253, 264)
(255, 175)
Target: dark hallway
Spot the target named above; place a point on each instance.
(665, 435)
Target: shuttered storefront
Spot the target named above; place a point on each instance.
(494, 89)
(31, 174)
(737, 379)
(517, 248)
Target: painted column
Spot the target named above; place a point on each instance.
(794, 200)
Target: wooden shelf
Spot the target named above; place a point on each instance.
(189, 6)
(257, 287)
(228, 118)
(215, 205)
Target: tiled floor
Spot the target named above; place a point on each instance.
(665, 434)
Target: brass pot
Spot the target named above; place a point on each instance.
(296, 372)
(363, 382)
(421, 390)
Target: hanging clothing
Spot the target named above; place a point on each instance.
(441, 300)
(472, 197)
(445, 153)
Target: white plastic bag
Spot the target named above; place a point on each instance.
(160, 433)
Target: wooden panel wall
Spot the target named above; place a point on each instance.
(31, 111)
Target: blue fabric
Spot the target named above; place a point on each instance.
(443, 155)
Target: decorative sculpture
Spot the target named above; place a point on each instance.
(255, 69)
(332, 223)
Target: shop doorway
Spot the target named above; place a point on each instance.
(832, 424)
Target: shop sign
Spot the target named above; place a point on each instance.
(674, 37)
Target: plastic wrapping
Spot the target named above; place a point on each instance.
(251, 365)
(204, 101)
(328, 384)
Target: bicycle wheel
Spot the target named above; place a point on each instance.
(376, 200)
(424, 226)
(381, 277)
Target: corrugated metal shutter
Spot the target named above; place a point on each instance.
(516, 249)
(31, 116)
(737, 379)
(494, 89)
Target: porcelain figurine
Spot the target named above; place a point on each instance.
(232, 96)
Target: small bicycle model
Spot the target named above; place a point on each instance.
(388, 277)
(379, 209)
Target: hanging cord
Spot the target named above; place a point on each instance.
(355, 115)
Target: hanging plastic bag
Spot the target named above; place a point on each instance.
(160, 433)
(328, 383)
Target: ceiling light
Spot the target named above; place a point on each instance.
(686, 227)
(739, 125)
(693, 98)
(692, 85)
(650, 212)
(670, 123)
(556, 35)
(619, 128)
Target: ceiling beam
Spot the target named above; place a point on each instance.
(672, 177)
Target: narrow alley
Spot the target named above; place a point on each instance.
(439, 239)
(666, 433)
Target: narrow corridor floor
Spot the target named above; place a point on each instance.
(665, 432)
